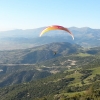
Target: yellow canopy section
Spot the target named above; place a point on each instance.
(56, 27)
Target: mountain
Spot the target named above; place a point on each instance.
(21, 33)
(16, 74)
(21, 66)
(86, 37)
(18, 66)
(37, 74)
(81, 83)
(21, 39)
(37, 54)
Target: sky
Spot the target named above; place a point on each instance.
(31, 14)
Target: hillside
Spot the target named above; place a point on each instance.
(68, 84)
(29, 64)
(37, 54)
(69, 73)
(68, 57)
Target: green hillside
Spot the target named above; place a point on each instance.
(10, 73)
(68, 75)
(66, 84)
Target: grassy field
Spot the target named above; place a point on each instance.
(94, 72)
(83, 54)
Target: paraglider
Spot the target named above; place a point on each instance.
(56, 27)
(54, 53)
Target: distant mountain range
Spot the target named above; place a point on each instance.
(20, 39)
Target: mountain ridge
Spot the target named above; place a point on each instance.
(38, 53)
(21, 39)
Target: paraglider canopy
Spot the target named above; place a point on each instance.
(56, 27)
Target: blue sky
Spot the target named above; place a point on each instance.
(30, 14)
